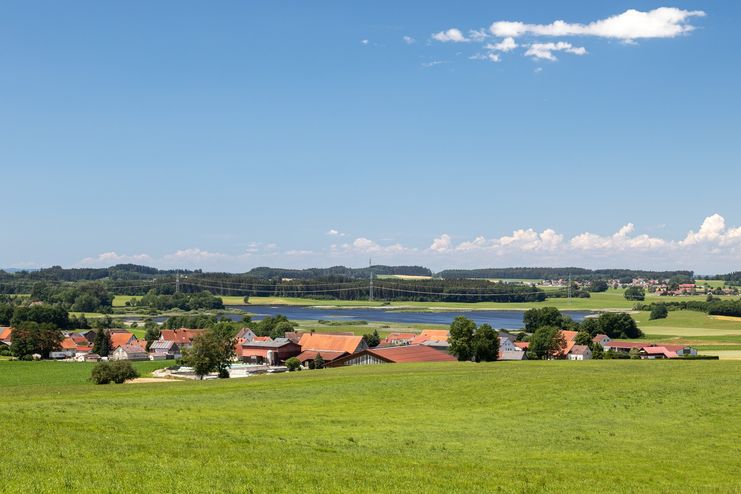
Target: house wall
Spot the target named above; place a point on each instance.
(365, 359)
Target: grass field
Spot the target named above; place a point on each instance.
(600, 426)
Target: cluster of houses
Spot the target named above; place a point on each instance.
(336, 349)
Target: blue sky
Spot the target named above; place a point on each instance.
(238, 134)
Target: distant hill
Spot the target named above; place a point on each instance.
(556, 273)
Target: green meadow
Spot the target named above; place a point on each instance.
(596, 426)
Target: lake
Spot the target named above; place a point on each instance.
(500, 319)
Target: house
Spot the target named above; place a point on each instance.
(431, 335)
(164, 350)
(271, 352)
(293, 336)
(121, 338)
(244, 334)
(602, 339)
(88, 334)
(656, 352)
(87, 357)
(392, 354)
(512, 355)
(399, 339)
(129, 352)
(522, 345)
(183, 337)
(507, 344)
(623, 346)
(580, 352)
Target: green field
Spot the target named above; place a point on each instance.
(599, 426)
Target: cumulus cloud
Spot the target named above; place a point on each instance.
(443, 243)
(333, 232)
(629, 26)
(111, 258)
(664, 22)
(620, 240)
(545, 51)
(713, 230)
(453, 35)
(409, 40)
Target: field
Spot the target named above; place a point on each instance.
(600, 426)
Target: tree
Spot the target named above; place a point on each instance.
(590, 325)
(102, 344)
(583, 338)
(658, 311)
(152, 333)
(102, 373)
(599, 286)
(318, 361)
(635, 293)
(545, 316)
(31, 337)
(546, 341)
(598, 352)
(212, 351)
(461, 336)
(372, 339)
(618, 325)
(634, 353)
(118, 372)
(293, 364)
(485, 344)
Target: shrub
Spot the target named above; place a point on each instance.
(635, 293)
(117, 372)
(293, 364)
(658, 311)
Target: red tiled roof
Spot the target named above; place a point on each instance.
(69, 344)
(411, 353)
(330, 342)
(522, 344)
(400, 336)
(569, 335)
(182, 335)
(121, 338)
(262, 338)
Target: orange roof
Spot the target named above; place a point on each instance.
(522, 344)
(181, 335)
(569, 335)
(331, 342)
(69, 344)
(5, 333)
(121, 339)
(400, 336)
(262, 338)
(432, 335)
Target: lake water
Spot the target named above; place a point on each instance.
(500, 319)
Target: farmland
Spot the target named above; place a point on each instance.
(628, 426)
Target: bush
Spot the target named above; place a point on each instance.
(659, 311)
(635, 293)
(117, 372)
(293, 364)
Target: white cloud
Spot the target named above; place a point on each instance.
(409, 40)
(433, 63)
(491, 57)
(364, 41)
(443, 243)
(333, 232)
(507, 44)
(451, 35)
(477, 35)
(193, 255)
(545, 51)
(620, 240)
(713, 230)
(111, 258)
(664, 22)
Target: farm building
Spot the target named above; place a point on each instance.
(394, 354)
(6, 334)
(331, 346)
(121, 338)
(602, 339)
(512, 355)
(183, 336)
(164, 350)
(399, 339)
(129, 352)
(271, 352)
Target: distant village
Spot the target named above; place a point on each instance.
(262, 354)
(658, 287)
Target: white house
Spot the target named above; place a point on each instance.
(580, 352)
(507, 345)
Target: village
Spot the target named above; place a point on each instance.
(311, 349)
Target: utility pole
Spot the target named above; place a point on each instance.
(370, 293)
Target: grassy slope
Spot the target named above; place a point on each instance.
(611, 426)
